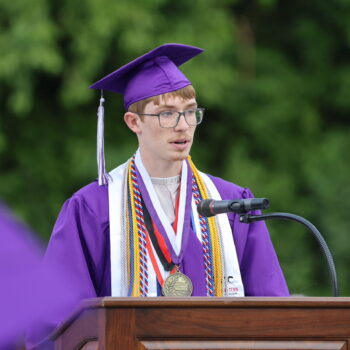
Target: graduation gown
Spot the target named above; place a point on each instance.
(80, 243)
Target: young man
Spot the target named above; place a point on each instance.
(138, 233)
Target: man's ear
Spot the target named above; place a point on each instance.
(133, 121)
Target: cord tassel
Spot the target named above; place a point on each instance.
(103, 176)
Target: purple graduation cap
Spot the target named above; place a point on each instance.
(151, 74)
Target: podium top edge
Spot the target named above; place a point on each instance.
(204, 303)
(217, 302)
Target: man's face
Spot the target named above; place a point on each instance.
(160, 146)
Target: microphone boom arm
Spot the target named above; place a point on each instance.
(248, 218)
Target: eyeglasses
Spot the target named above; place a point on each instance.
(170, 119)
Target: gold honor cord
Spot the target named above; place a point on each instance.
(136, 285)
(127, 231)
(216, 251)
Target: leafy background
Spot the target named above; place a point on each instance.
(275, 80)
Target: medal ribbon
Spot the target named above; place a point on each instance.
(159, 244)
(157, 240)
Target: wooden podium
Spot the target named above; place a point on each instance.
(207, 323)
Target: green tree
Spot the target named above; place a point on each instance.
(274, 80)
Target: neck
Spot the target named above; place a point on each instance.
(162, 168)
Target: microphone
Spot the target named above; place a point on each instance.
(210, 207)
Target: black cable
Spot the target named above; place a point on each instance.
(247, 218)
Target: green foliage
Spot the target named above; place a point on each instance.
(274, 80)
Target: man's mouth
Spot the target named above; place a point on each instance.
(180, 142)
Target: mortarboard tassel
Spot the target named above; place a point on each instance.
(103, 176)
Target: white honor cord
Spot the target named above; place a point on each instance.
(119, 286)
(115, 199)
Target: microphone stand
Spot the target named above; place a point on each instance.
(248, 218)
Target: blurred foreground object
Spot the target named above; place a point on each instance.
(27, 291)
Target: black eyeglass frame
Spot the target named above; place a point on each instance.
(178, 118)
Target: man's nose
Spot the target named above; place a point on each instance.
(182, 123)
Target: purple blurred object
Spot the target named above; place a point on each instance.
(28, 292)
(151, 74)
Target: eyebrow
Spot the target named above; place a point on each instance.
(172, 106)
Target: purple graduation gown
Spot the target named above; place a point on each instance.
(80, 242)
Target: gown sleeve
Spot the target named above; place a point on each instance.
(260, 269)
(78, 247)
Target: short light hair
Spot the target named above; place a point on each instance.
(185, 93)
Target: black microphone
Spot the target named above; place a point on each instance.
(210, 207)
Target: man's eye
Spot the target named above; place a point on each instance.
(167, 114)
(191, 112)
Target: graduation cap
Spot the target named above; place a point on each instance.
(151, 74)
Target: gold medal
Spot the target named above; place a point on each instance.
(177, 285)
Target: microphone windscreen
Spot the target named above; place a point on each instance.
(203, 208)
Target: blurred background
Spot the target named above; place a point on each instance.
(274, 79)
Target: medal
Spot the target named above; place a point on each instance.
(177, 285)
